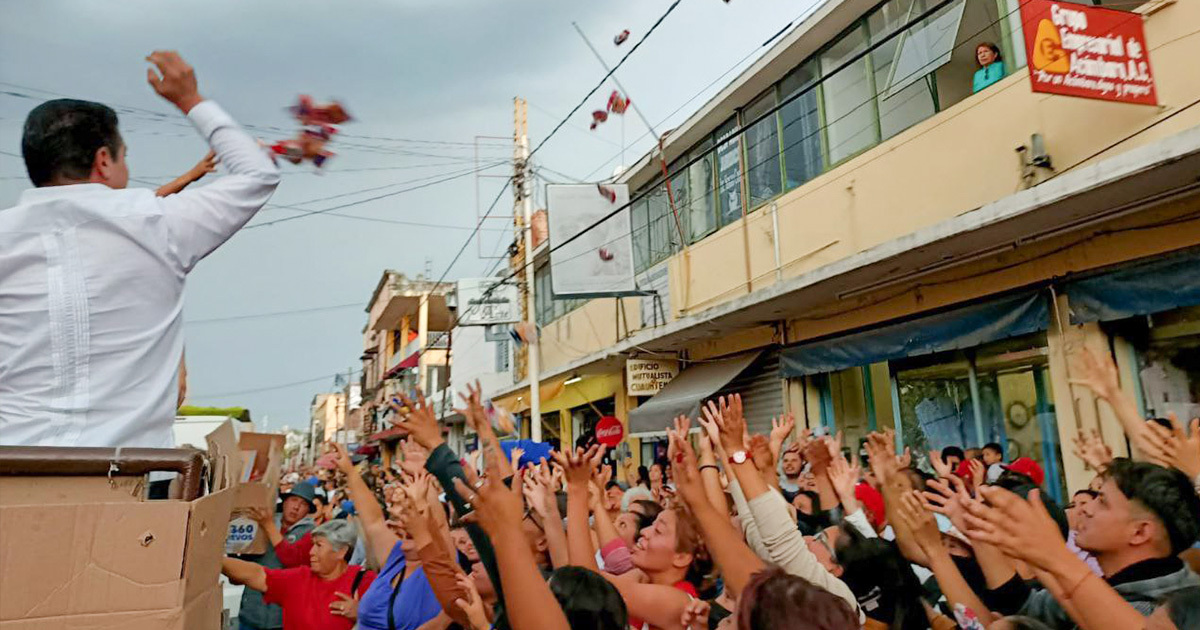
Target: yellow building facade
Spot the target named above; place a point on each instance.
(870, 253)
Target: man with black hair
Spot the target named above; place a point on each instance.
(1144, 516)
(92, 274)
(953, 456)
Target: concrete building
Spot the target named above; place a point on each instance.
(327, 418)
(888, 249)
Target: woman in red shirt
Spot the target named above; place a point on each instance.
(320, 596)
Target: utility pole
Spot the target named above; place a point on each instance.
(523, 200)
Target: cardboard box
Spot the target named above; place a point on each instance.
(95, 555)
(264, 452)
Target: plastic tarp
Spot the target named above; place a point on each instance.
(683, 395)
(1162, 284)
(960, 328)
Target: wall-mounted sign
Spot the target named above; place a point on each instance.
(487, 302)
(645, 377)
(1088, 51)
(609, 431)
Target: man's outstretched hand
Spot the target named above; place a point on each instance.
(177, 82)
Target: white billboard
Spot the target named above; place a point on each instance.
(486, 302)
(600, 261)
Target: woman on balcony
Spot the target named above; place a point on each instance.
(991, 66)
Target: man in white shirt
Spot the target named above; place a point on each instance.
(92, 273)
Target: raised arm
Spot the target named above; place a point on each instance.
(499, 510)
(736, 561)
(418, 420)
(205, 166)
(440, 568)
(1023, 529)
(199, 221)
(578, 472)
(380, 539)
(920, 524)
(540, 496)
(248, 574)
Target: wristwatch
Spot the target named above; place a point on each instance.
(738, 457)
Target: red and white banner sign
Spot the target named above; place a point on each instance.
(1088, 51)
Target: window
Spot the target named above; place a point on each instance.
(729, 173)
(681, 191)
(702, 210)
(850, 119)
(762, 151)
(899, 109)
(1167, 347)
(639, 220)
(801, 120)
(998, 392)
(502, 356)
(663, 233)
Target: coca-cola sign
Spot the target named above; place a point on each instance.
(609, 431)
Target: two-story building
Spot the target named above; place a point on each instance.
(856, 236)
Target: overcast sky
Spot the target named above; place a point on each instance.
(443, 71)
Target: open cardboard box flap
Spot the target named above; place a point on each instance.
(74, 564)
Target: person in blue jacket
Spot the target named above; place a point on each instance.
(991, 66)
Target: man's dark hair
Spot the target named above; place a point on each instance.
(1087, 491)
(612, 484)
(1166, 493)
(62, 136)
(589, 601)
(994, 447)
(950, 451)
(650, 512)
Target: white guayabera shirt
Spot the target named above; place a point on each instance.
(91, 296)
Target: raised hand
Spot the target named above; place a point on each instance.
(177, 83)
(687, 471)
(415, 456)
(577, 465)
(978, 473)
(695, 615)
(731, 426)
(905, 459)
(920, 522)
(497, 508)
(416, 418)
(760, 449)
(517, 453)
(1021, 528)
(344, 463)
(939, 465)
(781, 429)
(844, 477)
(472, 603)
(1099, 374)
(1182, 451)
(1090, 448)
(948, 498)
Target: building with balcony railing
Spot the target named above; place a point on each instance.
(856, 235)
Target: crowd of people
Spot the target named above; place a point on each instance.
(734, 530)
(784, 531)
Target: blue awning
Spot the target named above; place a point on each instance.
(1162, 284)
(960, 328)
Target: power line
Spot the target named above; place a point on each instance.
(587, 96)
(275, 387)
(231, 318)
(369, 199)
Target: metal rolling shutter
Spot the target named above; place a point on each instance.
(761, 387)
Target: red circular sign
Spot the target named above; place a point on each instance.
(609, 431)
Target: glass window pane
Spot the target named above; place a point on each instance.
(906, 107)
(639, 219)
(729, 169)
(850, 123)
(1011, 390)
(661, 224)
(682, 193)
(702, 214)
(1168, 361)
(801, 120)
(762, 151)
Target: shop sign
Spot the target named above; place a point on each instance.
(645, 377)
(1087, 51)
(609, 431)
